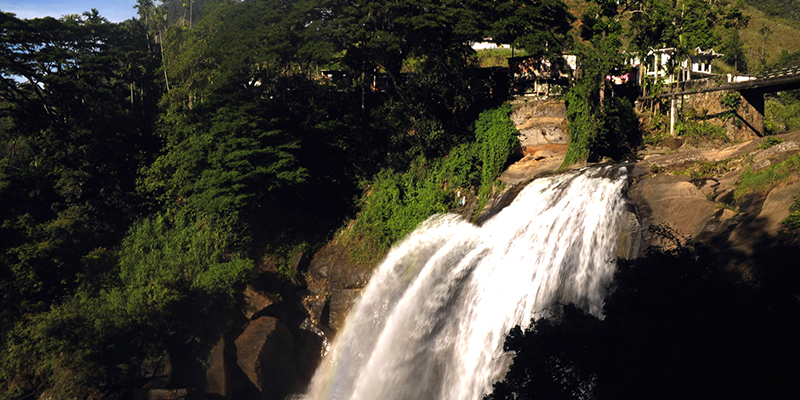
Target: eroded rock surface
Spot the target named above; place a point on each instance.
(708, 209)
(540, 123)
(218, 376)
(673, 201)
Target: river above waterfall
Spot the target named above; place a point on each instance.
(433, 318)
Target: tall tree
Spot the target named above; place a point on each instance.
(79, 139)
(681, 24)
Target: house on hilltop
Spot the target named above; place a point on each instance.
(660, 64)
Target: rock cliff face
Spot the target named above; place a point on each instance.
(705, 208)
(540, 123)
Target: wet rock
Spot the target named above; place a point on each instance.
(332, 264)
(629, 236)
(311, 346)
(333, 284)
(342, 300)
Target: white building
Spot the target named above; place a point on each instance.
(487, 44)
(659, 64)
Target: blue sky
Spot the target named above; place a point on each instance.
(113, 10)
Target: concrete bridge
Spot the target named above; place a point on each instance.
(706, 96)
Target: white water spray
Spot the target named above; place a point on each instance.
(432, 320)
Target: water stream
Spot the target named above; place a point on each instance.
(432, 320)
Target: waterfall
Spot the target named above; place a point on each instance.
(432, 321)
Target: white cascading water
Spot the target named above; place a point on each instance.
(432, 321)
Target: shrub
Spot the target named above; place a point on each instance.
(583, 123)
(619, 133)
(792, 222)
(781, 115)
(731, 100)
(769, 142)
(175, 280)
(396, 202)
(763, 181)
(706, 169)
(496, 138)
(700, 132)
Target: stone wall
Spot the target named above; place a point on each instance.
(746, 122)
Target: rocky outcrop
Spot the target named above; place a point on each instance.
(256, 301)
(672, 200)
(706, 209)
(218, 374)
(540, 123)
(264, 352)
(334, 285)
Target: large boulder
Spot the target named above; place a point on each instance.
(760, 229)
(264, 352)
(341, 301)
(672, 201)
(218, 376)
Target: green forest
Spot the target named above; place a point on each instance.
(152, 168)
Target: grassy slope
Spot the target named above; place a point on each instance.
(785, 36)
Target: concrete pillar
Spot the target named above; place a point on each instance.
(752, 110)
(673, 110)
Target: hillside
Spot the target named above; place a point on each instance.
(774, 28)
(770, 34)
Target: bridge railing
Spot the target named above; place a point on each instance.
(778, 72)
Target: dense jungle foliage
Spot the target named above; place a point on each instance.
(150, 168)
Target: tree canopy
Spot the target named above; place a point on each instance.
(150, 166)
